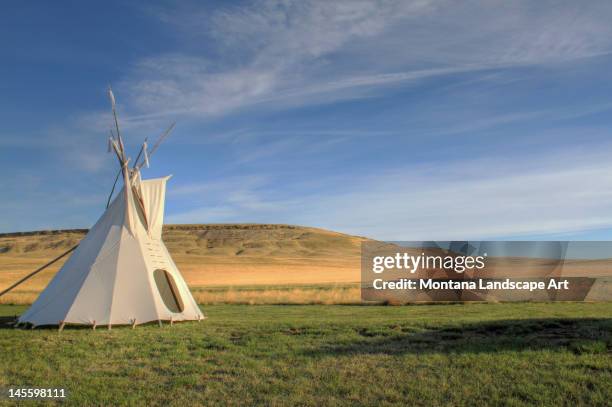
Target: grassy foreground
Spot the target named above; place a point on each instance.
(472, 354)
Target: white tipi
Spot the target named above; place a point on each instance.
(121, 272)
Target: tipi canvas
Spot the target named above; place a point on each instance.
(121, 273)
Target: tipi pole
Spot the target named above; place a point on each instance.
(161, 138)
(113, 189)
(140, 152)
(38, 270)
(112, 98)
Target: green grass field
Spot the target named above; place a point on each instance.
(473, 354)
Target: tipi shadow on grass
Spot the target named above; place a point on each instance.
(580, 335)
(8, 322)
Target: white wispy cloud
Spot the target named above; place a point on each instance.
(288, 53)
(285, 54)
(268, 54)
(234, 198)
(466, 199)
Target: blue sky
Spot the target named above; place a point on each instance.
(394, 120)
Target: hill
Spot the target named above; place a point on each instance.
(216, 260)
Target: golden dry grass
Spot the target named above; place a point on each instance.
(330, 294)
(216, 256)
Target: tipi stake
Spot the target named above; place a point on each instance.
(94, 326)
(61, 327)
(109, 326)
(134, 323)
(160, 322)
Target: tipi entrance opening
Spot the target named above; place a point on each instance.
(168, 291)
